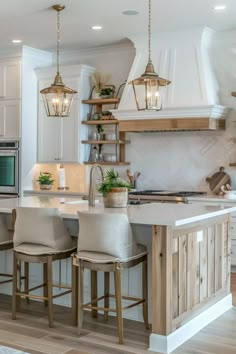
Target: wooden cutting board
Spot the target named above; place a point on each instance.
(218, 180)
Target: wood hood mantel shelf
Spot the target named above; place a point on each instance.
(208, 118)
(172, 124)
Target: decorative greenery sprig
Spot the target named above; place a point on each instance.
(112, 180)
(45, 178)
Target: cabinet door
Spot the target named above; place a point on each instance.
(9, 119)
(48, 136)
(10, 79)
(69, 144)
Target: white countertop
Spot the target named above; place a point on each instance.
(211, 198)
(148, 214)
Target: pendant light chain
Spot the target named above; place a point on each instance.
(149, 32)
(58, 41)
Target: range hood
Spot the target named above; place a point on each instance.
(191, 101)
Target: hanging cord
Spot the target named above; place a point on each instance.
(149, 31)
(58, 40)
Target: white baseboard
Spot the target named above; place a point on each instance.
(166, 344)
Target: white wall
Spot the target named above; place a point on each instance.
(182, 160)
(116, 60)
(178, 160)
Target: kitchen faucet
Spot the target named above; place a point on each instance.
(92, 188)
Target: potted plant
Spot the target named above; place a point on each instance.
(45, 180)
(106, 92)
(99, 80)
(114, 190)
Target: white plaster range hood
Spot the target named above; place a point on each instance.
(191, 101)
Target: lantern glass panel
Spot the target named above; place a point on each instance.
(150, 95)
(58, 104)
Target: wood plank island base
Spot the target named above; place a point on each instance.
(191, 280)
(190, 262)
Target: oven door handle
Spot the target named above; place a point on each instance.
(7, 152)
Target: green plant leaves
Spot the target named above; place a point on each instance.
(45, 178)
(112, 180)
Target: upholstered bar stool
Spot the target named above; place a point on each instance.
(106, 244)
(6, 240)
(40, 236)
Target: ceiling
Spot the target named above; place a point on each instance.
(35, 23)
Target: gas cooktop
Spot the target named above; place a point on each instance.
(163, 195)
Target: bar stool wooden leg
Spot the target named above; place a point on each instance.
(18, 283)
(106, 293)
(50, 291)
(145, 292)
(14, 286)
(45, 280)
(26, 280)
(80, 275)
(74, 294)
(94, 292)
(118, 296)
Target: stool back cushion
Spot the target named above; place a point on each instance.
(41, 226)
(106, 233)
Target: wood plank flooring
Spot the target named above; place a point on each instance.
(30, 333)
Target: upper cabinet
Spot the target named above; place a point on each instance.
(10, 98)
(10, 79)
(59, 139)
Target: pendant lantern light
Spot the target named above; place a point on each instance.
(149, 88)
(58, 98)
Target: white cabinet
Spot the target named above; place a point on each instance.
(59, 138)
(10, 79)
(9, 118)
(10, 98)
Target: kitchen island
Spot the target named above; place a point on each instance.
(190, 261)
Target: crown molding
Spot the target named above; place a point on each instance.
(74, 55)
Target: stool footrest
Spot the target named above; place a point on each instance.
(61, 294)
(89, 305)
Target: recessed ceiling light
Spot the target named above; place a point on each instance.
(97, 27)
(220, 7)
(130, 12)
(16, 41)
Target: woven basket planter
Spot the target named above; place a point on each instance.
(116, 198)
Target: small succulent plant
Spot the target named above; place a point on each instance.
(45, 178)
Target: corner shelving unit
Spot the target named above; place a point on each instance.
(119, 142)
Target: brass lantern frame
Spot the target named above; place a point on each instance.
(149, 79)
(60, 104)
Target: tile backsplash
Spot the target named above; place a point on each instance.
(75, 176)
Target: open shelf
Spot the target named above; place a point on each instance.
(108, 163)
(103, 121)
(101, 101)
(101, 142)
(232, 164)
(119, 140)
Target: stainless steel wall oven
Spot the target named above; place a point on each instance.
(9, 167)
